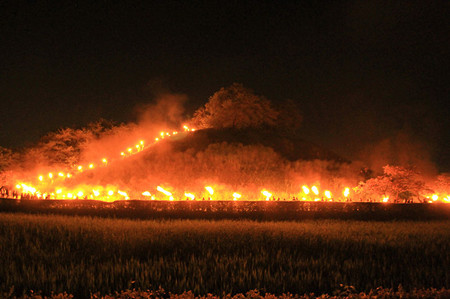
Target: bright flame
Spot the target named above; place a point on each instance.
(327, 194)
(50, 175)
(96, 193)
(165, 192)
(110, 193)
(305, 190)
(190, 196)
(210, 190)
(91, 165)
(386, 199)
(236, 196)
(124, 194)
(146, 193)
(28, 189)
(267, 194)
(434, 197)
(346, 192)
(315, 190)
(41, 178)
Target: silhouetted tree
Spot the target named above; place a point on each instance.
(64, 146)
(399, 183)
(235, 107)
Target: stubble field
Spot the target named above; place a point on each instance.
(85, 255)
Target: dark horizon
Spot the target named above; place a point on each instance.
(360, 72)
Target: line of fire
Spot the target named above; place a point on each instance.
(56, 185)
(237, 147)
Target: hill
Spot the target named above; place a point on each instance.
(287, 146)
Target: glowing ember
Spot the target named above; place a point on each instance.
(236, 196)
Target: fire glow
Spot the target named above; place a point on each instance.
(55, 185)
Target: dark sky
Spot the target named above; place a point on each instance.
(360, 70)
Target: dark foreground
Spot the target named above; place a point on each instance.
(88, 255)
(255, 210)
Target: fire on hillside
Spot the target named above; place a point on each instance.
(63, 184)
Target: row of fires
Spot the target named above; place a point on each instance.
(112, 193)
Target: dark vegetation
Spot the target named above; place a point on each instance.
(348, 292)
(215, 210)
(83, 255)
(290, 147)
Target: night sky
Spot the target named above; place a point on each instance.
(361, 71)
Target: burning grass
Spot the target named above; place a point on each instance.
(82, 255)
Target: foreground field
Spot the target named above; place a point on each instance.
(252, 210)
(82, 255)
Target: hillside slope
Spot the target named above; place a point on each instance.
(289, 147)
